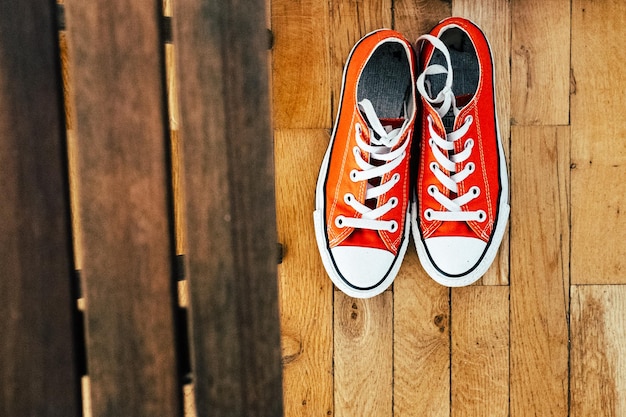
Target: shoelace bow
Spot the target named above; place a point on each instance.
(443, 147)
(380, 149)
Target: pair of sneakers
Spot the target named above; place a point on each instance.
(415, 146)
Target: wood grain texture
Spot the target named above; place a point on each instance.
(494, 18)
(306, 292)
(38, 373)
(72, 156)
(301, 63)
(363, 355)
(178, 186)
(421, 342)
(540, 78)
(121, 146)
(598, 328)
(414, 18)
(230, 208)
(598, 156)
(349, 22)
(539, 271)
(480, 351)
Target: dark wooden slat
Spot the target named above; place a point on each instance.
(228, 153)
(38, 375)
(121, 137)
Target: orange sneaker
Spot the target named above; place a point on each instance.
(362, 197)
(460, 208)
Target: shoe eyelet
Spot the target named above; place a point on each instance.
(482, 216)
(339, 221)
(348, 197)
(469, 118)
(393, 201)
(428, 214)
(434, 166)
(354, 175)
(432, 190)
(395, 178)
(393, 226)
(359, 129)
(431, 142)
(475, 191)
(469, 143)
(470, 166)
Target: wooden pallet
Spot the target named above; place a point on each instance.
(163, 204)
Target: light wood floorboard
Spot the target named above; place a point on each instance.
(515, 344)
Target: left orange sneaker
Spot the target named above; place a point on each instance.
(362, 197)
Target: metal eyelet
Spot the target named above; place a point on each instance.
(339, 220)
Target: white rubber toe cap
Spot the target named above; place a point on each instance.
(362, 268)
(455, 255)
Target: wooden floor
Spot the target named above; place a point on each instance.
(544, 332)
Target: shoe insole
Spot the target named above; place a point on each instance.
(386, 79)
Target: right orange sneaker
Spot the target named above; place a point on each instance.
(460, 207)
(362, 197)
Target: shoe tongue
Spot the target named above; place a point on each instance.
(390, 124)
(448, 121)
(449, 118)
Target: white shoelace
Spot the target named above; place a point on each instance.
(442, 147)
(380, 148)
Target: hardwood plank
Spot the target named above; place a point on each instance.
(72, 158)
(178, 186)
(349, 22)
(540, 61)
(306, 292)
(38, 370)
(301, 61)
(414, 18)
(539, 273)
(421, 342)
(124, 211)
(598, 328)
(231, 232)
(480, 351)
(598, 160)
(363, 355)
(494, 18)
(362, 328)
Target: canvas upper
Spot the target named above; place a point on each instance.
(362, 194)
(461, 193)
